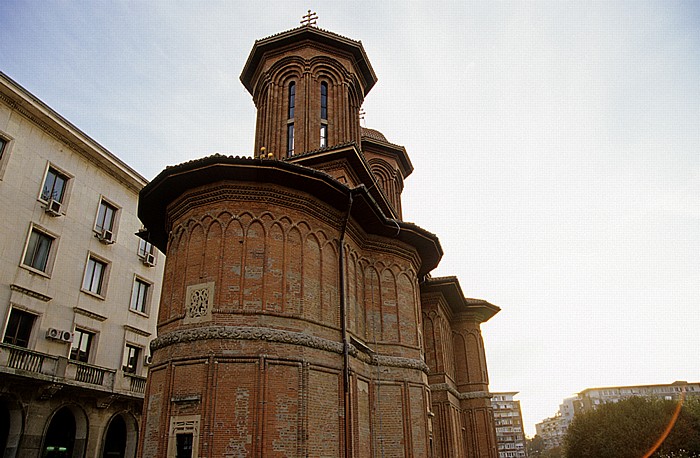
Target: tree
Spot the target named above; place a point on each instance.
(631, 428)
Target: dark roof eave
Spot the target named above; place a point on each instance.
(175, 180)
(450, 288)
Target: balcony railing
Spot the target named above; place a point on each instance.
(30, 363)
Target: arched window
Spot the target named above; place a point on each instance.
(324, 100)
(292, 95)
(324, 114)
(290, 118)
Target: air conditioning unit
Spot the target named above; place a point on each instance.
(149, 259)
(53, 208)
(106, 237)
(58, 334)
(147, 360)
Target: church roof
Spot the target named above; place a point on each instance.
(172, 182)
(279, 40)
(451, 290)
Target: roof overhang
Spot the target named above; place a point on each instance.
(172, 182)
(451, 290)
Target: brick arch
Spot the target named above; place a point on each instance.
(253, 266)
(409, 311)
(372, 303)
(312, 277)
(273, 269)
(431, 340)
(293, 268)
(389, 306)
(461, 355)
(211, 265)
(232, 266)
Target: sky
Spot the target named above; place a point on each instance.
(556, 148)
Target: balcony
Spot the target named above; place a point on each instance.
(58, 369)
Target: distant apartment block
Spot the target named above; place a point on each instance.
(79, 290)
(553, 430)
(509, 425)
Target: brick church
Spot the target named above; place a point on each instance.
(298, 317)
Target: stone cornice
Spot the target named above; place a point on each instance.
(281, 336)
(30, 293)
(89, 314)
(458, 395)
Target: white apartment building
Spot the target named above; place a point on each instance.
(553, 430)
(78, 289)
(508, 419)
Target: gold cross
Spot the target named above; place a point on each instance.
(309, 19)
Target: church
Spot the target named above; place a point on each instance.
(298, 316)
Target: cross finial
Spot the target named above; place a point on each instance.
(362, 116)
(309, 19)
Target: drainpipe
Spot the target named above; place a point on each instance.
(344, 332)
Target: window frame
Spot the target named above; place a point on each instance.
(22, 313)
(116, 211)
(104, 276)
(78, 333)
(130, 357)
(5, 151)
(50, 256)
(58, 172)
(145, 297)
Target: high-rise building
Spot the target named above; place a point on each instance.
(509, 425)
(78, 289)
(298, 316)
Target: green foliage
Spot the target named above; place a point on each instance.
(630, 428)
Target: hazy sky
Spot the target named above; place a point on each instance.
(556, 149)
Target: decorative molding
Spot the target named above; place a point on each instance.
(199, 303)
(270, 193)
(458, 395)
(89, 314)
(30, 293)
(138, 331)
(281, 336)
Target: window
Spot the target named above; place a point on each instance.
(324, 135)
(131, 358)
(95, 275)
(145, 248)
(184, 445)
(324, 115)
(106, 216)
(3, 144)
(80, 348)
(54, 185)
(290, 139)
(139, 295)
(38, 250)
(292, 96)
(19, 328)
(324, 100)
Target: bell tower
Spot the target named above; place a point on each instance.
(308, 85)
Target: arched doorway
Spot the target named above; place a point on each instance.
(115, 439)
(120, 437)
(11, 426)
(60, 437)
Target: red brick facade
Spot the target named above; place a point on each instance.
(291, 316)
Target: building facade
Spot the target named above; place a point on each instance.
(553, 430)
(295, 298)
(78, 289)
(509, 425)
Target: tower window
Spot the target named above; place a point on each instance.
(290, 139)
(324, 135)
(324, 100)
(292, 96)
